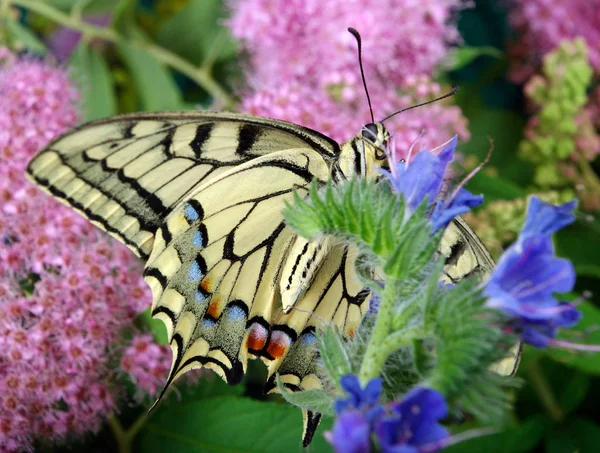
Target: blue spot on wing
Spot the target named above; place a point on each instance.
(191, 214)
(308, 339)
(198, 240)
(194, 273)
(235, 313)
(200, 297)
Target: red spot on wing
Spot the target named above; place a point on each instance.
(279, 344)
(257, 337)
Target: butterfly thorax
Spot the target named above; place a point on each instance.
(364, 153)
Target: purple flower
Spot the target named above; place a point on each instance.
(528, 274)
(365, 399)
(459, 204)
(413, 423)
(544, 218)
(423, 179)
(351, 433)
(357, 415)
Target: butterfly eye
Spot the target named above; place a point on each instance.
(370, 132)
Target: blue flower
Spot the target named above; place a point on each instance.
(539, 332)
(544, 218)
(528, 274)
(424, 176)
(413, 423)
(366, 399)
(423, 180)
(459, 204)
(351, 433)
(357, 415)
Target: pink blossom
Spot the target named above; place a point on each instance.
(67, 291)
(303, 64)
(291, 38)
(147, 363)
(542, 24)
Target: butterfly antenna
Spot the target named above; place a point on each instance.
(455, 89)
(356, 34)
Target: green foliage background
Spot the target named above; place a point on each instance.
(556, 409)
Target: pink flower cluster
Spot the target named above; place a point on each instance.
(304, 67)
(147, 363)
(542, 24)
(67, 290)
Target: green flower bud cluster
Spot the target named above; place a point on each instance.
(560, 94)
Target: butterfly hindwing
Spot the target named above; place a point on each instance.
(466, 256)
(217, 259)
(126, 173)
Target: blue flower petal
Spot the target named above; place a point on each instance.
(445, 211)
(351, 433)
(545, 218)
(423, 178)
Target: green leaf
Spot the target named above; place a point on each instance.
(94, 81)
(209, 386)
(155, 85)
(87, 6)
(505, 128)
(586, 331)
(333, 354)
(519, 439)
(227, 424)
(573, 392)
(197, 33)
(459, 57)
(155, 326)
(25, 37)
(313, 400)
(579, 436)
(580, 243)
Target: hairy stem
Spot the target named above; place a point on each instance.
(375, 355)
(200, 75)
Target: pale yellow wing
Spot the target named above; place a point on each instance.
(126, 173)
(466, 256)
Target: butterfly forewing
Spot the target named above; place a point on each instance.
(126, 173)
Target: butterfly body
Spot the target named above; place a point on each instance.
(199, 197)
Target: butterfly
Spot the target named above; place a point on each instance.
(198, 196)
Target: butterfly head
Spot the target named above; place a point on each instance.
(374, 138)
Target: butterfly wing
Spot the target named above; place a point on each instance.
(466, 256)
(126, 173)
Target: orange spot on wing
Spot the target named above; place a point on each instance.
(351, 332)
(214, 309)
(206, 285)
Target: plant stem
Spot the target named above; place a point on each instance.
(126, 437)
(121, 437)
(199, 75)
(375, 356)
(542, 388)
